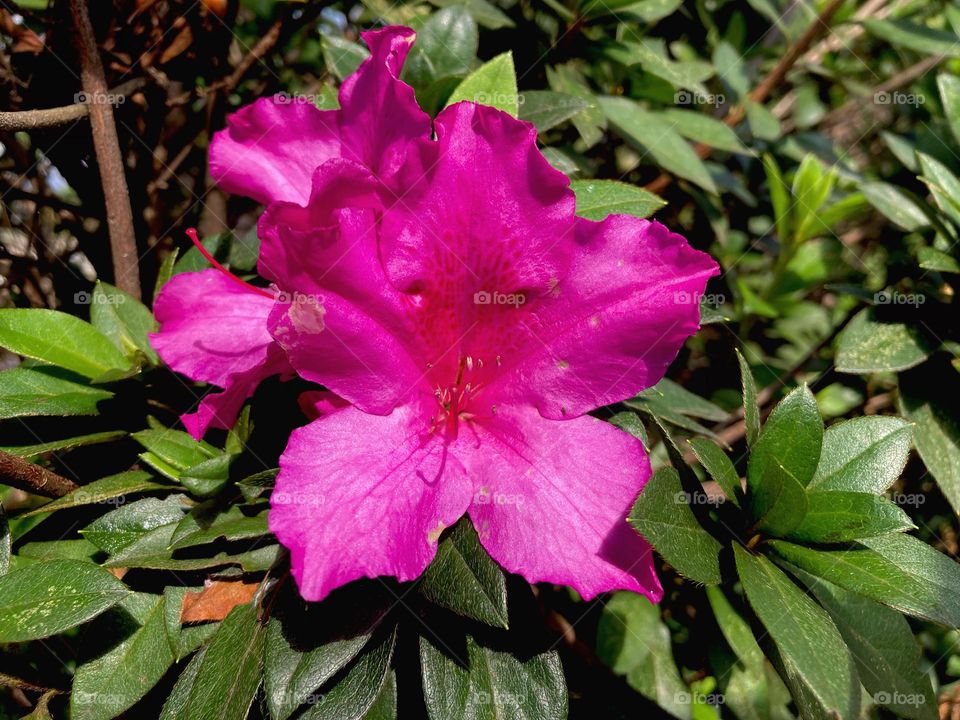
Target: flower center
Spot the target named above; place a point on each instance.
(454, 400)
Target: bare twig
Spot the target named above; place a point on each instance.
(18, 120)
(17, 472)
(772, 80)
(123, 245)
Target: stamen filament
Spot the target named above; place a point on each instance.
(192, 234)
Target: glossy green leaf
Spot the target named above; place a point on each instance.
(837, 516)
(117, 529)
(489, 683)
(718, 465)
(703, 128)
(943, 184)
(735, 629)
(546, 108)
(914, 36)
(231, 526)
(656, 137)
(598, 198)
(868, 344)
(663, 516)
(863, 455)
(5, 542)
(634, 642)
(123, 319)
(103, 491)
(751, 413)
(176, 705)
(883, 647)
(818, 668)
(783, 461)
(678, 399)
(231, 669)
(30, 392)
(59, 339)
(494, 83)
(46, 598)
(464, 579)
(31, 451)
(896, 570)
(895, 205)
(183, 639)
(342, 56)
(590, 122)
(111, 683)
(446, 45)
(359, 693)
(949, 86)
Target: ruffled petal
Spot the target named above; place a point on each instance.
(270, 149)
(210, 327)
(546, 509)
(363, 496)
(614, 322)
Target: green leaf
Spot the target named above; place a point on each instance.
(176, 705)
(932, 259)
(462, 577)
(868, 344)
(358, 695)
(895, 205)
(949, 86)
(783, 462)
(182, 639)
(490, 683)
(293, 670)
(46, 598)
(663, 516)
(883, 647)
(166, 271)
(207, 477)
(229, 526)
(5, 542)
(928, 399)
(446, 45)
(863, 455)
(921, 38)
(635, 642)
(943, 184)
(29, 392)
(342, 56)
(598, 198)
(751, 413)
(716, 462)
(735, 629)
(677, 398)
(837, 516)
(123, 319)
(702, 128)
(231, 670)
(118, 529)
(485, 13)
(59, 339)
(102, 491)
(764, 125)
(546, 109)
(56, 550)
(107, 686)
(31, 451)
(653, 135)
(494, 83)
(590, 122)
(817, 665)
(896, 570)
(651, 55)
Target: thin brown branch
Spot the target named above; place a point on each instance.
(123, 244)
(17, 472)
(772, 80)
(18, 120)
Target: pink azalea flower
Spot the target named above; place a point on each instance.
(434, 277)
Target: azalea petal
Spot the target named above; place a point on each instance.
(546, 510)
(615, 321)
(363, 496)
(317, 403)
(343, 326)
(211, 328)
(270, 149)
(482, 214)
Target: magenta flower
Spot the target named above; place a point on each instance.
(434, 277)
